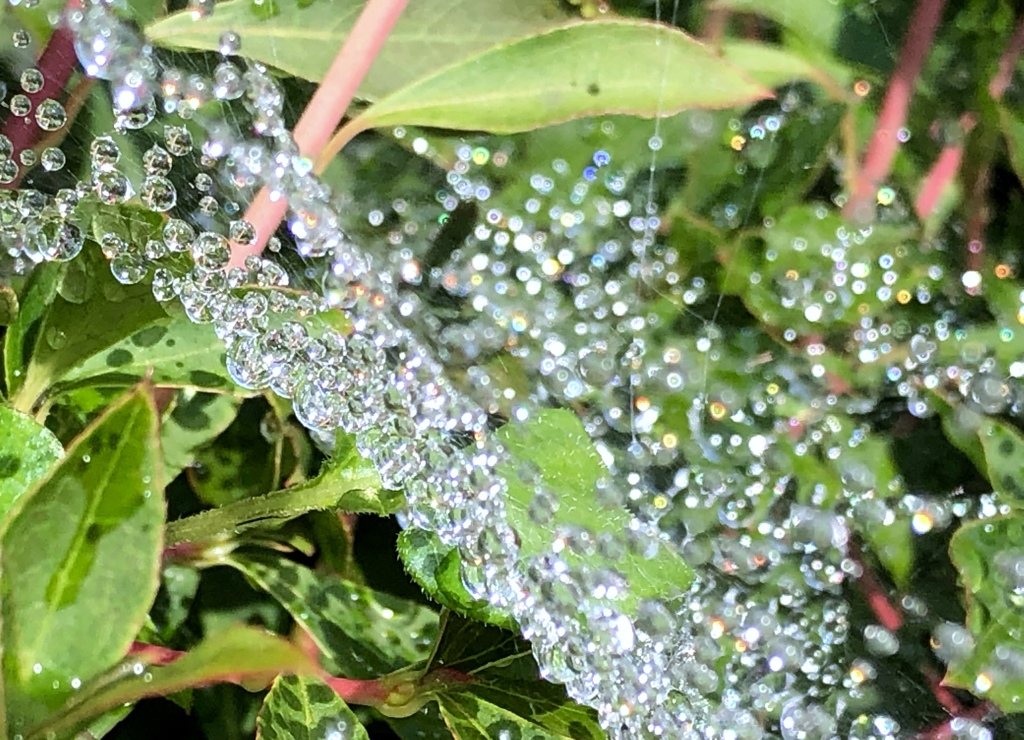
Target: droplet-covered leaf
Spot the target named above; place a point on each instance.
(435, 568)
(989, 555)
(27, 450)
(568, 79)
(484, 710)
(72, 330)
(305, 708)
(303, 38)
(81, 554)
(179, 353)
(557, 444)
(1003, 447)
(362, 633)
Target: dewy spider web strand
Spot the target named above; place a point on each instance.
(402, 415)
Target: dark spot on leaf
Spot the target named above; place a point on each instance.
(190, 417)
(1006, 447)
(9, 465)
(93, 533)
(119, 358)
(170, 343)
(593, 89)
(293, 702)
(1010, 485)
(205, 379)
(149, 336)
(320, 694)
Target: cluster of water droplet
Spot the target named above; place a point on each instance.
(567, 275)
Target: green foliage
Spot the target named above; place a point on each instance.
(304, 708)
(990, 560)
(487, 92)
(555, 444)
(304, 37)
(82, 543)
(115, 540)
(27, 450)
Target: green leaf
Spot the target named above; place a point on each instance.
(81, 555)
(303, 41)
(472, 647)
(568, 79)
(814, 23)
(305, 708)
(27, 450)
(988, 555)
(179, 353)
(557, 444)
(22, 334)
(1003, 447)
(435, 568)
(8, 305)
(484, 710)
(362, 633)
(244, 655)
(347, 483)
(71, 331)
(1013, 130)
(774, 66)
(193, 420)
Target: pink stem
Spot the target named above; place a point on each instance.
(1007, 63)
(354, 691)
(895, 106)
(942, 173)
(153, 654)
(885, 611)
(325, 111)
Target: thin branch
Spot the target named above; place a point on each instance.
(1008, 63)
(885, 610)
(892, 117)
(942, 173)
(325, 110)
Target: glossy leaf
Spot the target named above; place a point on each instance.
(193, 421)
(568, 80)
(774, 66)
(81, 554)
(815, 23)
(557, 444)
(305, 708)
(435, 568)
(244, 655)
(347, 483)
(303, 41)
(472, 647)
(536, 709)
(1003, 447)
(71, 331)
(989, 555)
(361, 633)
(179, 353)
(27, 451)
(22, 334)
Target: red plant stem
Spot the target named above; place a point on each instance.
(942, 173)
(944, 730)
(153, 654)
(1008, 62)
(370, 693)
(325, 110)
(885, 611)
(884, 143)
(942, 695)
(57, 63)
